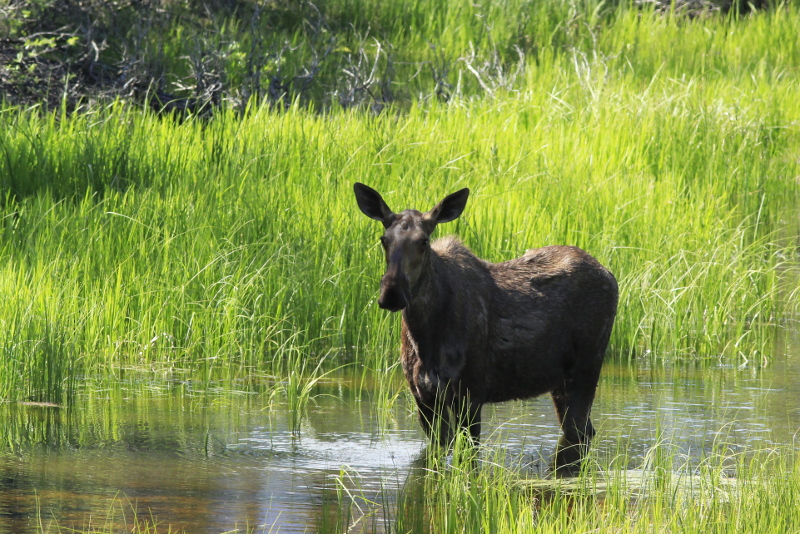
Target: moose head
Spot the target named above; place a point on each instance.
(406, 240)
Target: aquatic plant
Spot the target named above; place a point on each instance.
(725, 493)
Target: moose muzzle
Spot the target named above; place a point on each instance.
(394, 290)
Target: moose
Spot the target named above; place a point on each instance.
(475, 332)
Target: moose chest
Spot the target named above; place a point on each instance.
(439, 359)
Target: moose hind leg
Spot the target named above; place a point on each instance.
(573, 403)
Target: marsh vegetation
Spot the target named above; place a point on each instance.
(195, 256)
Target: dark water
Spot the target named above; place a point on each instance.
(218, 463)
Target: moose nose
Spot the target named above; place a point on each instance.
(392, 302)
(393, 293)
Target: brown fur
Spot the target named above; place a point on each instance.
(475, 332)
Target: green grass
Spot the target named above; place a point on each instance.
(723, 493)
(221, 248)
(756, 501)
(228, 252)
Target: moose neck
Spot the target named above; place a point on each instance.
(429, 299)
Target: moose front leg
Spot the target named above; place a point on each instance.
(435, 421)
(467, 414)
(426, 417)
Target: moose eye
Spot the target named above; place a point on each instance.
(423, 242)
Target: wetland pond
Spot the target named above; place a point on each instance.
(212, 463)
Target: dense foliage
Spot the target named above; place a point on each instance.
(198, 56)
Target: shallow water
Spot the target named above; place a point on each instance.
(217, 463)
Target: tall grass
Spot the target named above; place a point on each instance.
(231, 246)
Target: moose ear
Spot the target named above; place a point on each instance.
(371, 203)
(450, 208)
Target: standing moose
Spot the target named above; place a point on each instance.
(475, 332)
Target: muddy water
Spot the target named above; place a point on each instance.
(218, 463)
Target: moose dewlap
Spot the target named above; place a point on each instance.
(475, 332)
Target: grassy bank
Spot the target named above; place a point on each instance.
(218, 255)
(224, 248)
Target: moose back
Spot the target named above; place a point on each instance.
(475, 332)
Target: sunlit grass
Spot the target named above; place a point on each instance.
(228, 247)
(258, 258)
(197, 256)
(755, 490)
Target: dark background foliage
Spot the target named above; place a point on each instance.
(194, 56)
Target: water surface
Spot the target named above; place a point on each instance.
(217, 463)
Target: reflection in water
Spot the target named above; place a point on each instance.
(213, 465)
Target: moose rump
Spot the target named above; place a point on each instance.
(475, 332)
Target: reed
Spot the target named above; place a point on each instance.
(195, 254)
